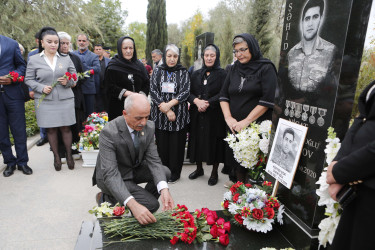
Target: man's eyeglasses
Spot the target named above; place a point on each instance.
(242, 50)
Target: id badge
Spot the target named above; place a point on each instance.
(167, 87)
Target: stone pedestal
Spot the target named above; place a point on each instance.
(316, 90)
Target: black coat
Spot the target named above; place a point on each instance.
(207, 129)
(356, 161)
(79, 102)
(116, 81)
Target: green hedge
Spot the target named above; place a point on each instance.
(31, 125)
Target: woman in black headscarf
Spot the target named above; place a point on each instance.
(248, 93)
(169, 90)
(207, 126)
(124, 75)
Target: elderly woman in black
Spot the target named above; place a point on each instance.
(169, 89)
(124, 76)
(248, 93)
(207, 127)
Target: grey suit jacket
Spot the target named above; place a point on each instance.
(117, 162)
(39, 74)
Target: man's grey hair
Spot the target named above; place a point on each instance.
(157, 51)
(129, 101)
(210, 47)
(83, 34)
(172, 47)
(63, 35)
(238, 40)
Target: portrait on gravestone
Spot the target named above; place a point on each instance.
(285, 151)
(312, 50)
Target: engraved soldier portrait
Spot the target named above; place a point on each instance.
(310, 60)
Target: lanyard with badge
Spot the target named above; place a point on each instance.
(168, 86)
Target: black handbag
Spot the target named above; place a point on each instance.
(346, 195)
(25, 90)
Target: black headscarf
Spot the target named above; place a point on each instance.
(164, 66)
(216, 65)
(257, 60)
(134, 66)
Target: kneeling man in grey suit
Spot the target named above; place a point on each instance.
(128, 156)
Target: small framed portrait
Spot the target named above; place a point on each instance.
(285, 152)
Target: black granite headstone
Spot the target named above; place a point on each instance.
(320, 57)
(200, 43)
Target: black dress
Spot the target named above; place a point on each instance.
(116, 82)
(207, 129)
(355, 161)
(256, 89)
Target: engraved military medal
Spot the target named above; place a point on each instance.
(298, 110)
(287, 104)
(312, 117)
(305, 109)
(321, 112)
(293, 106)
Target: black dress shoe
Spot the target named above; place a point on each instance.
(213, 180)
(173, 180)
(41, 141)
(25, 169)
(9, 170)
(196, 174)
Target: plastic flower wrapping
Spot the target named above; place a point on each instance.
(250, 147)
(253, 208)
(106, 210)
(333, 209)
(89, 137)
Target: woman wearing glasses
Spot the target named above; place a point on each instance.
(124, 75)
(248, 93)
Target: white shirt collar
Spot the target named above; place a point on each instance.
(53, 65)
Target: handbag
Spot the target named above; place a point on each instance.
(25, 90)
(346, 195)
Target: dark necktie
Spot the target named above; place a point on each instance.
(136, 143)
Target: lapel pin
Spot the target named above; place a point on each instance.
(142, 133)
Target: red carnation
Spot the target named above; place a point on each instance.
(74, 77)
(68, 75)
(220, 231)
(21, 78)
(220, 221)
(235, 197)
(248, 185)
(213, 231)
(224, 239)
(210, 220)
(257, 214)
(91, 72)
(227, 226)
(238, 218)
(226, 204)
(270, 212)
(118, 211)
(174, 240)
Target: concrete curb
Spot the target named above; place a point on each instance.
(31, 141)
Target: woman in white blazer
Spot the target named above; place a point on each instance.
(56, 111)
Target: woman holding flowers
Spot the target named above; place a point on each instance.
(124, 75)
(248, 93)
(51, 75)
(170, 89)
(207, 127)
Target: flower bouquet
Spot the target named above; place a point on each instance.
(177, 225)
(105, 210)
(333, 209)
(250, 147)
(253, 208)
(14, 76)
(89, 137)
(67, 76)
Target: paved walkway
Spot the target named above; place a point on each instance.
(46, 209)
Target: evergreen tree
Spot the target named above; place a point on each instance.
(259, 24)
(157, 32)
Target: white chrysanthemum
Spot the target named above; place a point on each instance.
(228, 196)
(265, 127)
(263, 145)
(280, 215)
(233, 207)
(258, 226)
